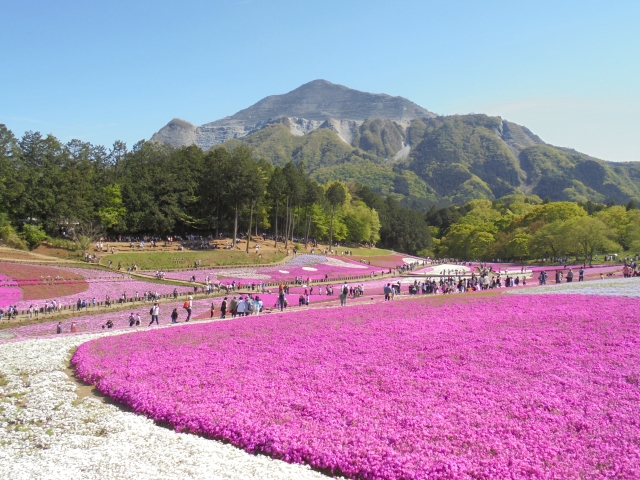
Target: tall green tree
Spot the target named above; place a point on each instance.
(336, 195)
(10, 165)
(589, 236)
(293, 196)
(213, 190)
(276, 190)
(245, 182)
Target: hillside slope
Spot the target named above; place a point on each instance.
(450, 160)
(399, 148)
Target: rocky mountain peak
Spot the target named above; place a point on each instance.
(309, 106)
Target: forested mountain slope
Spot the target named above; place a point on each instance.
(449, 160)
(398, 148)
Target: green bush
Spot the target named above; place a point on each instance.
(62, 243)
(11, 239)
(33, 234)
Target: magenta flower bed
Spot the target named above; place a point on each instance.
(99, 289)
(10, 293)
(492, 387)
(344, 267)
(95, 318)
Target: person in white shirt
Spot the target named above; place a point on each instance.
(155, 312)
(241, 308)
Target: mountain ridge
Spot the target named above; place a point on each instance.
(398, 148)
(316, 104)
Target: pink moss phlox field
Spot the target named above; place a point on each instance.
(337, 267)
(93, 321)
(486, 388)
(113, 287)
(10, 293)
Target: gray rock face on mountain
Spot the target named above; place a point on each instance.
(517, 137)
(317, 104)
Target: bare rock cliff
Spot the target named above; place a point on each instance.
(317, 104)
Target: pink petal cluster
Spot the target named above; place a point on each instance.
(492, 387)
(10, 293)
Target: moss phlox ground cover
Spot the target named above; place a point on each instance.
(314, 267)
(10, 293)
(492, 387)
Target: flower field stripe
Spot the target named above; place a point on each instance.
(314, 267)
(10, 293)
(496, 386)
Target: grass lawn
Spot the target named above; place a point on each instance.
(10, 254)
(186, 259)
(363, 252)
(61, 253)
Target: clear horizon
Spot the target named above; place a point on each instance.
(121, 71)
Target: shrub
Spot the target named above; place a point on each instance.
(33, 234)
(11, 239)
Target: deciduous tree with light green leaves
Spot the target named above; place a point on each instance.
(588, 236)
(113, 212)
(336, 194)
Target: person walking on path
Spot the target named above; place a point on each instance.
(581, 274)
(258, 306)
(59, 328)
(249, 305)
(174, 316)
(223, 308)
(344, 292)
(570, 276)
(155, 312)
(281, 297)
(188, 305)
(241, 307)
(213, 309)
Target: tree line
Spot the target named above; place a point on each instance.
(519, 227)
(49, 189)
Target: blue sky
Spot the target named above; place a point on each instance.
(103, 71)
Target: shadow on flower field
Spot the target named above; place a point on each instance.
(467, 386)
(38, 281)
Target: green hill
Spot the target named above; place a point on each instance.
(451, 160)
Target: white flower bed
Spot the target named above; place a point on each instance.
(48, 432)
(443, 269)
(336, 262)
(246, 273)
(618, 287)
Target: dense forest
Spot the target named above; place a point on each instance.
(52, 190)
(519, 227)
